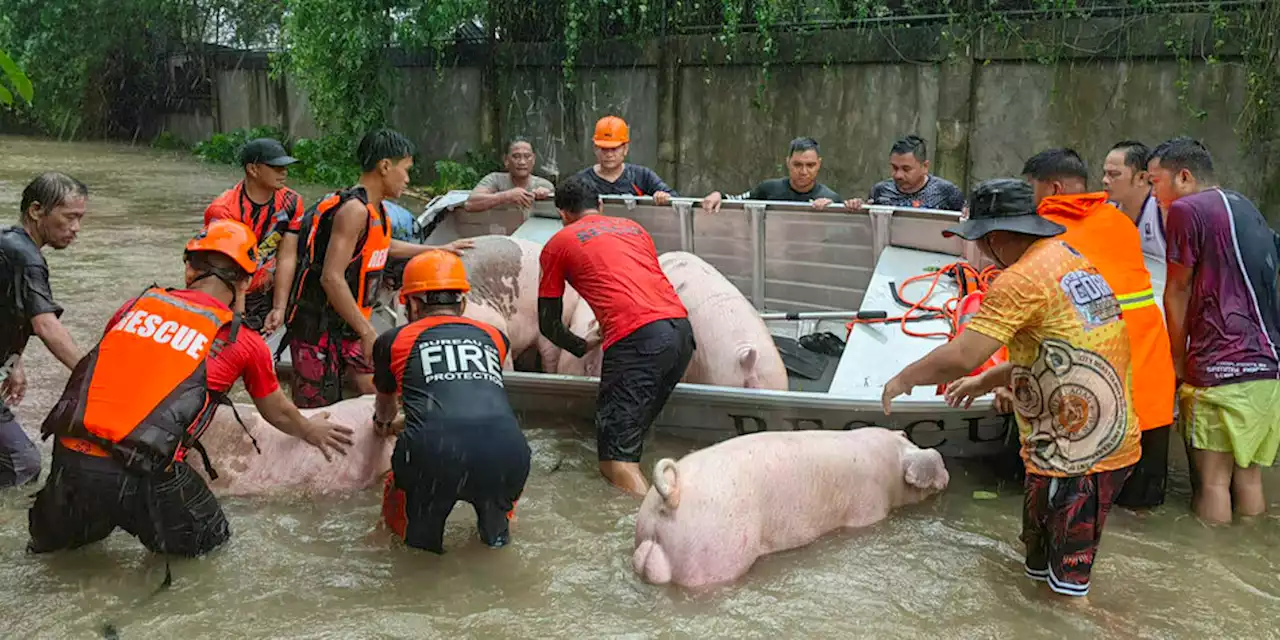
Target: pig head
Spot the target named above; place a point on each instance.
(734, 346)
(709, 516)
(288, 463)
(504, 273)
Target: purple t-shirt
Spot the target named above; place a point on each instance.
(1233, 321)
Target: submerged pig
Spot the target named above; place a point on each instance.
(290, 463)
(708, 517)
(735, 348)
(503, 273)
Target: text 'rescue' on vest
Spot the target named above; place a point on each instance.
(142, 394)
(310, 315)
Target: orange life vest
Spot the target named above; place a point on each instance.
(141, 394)
(269, 228)
(1108, 239)
(310, 314)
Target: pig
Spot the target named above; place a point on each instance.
(583, 324)
(504, 273)
(708, 517)
(290, 463)
(735, 348)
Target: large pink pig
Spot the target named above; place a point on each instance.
(735, 348)
(289, 463)
(504, 273)
(709, 516)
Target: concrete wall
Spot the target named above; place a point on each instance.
(707, 120)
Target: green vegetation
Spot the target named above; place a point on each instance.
(17, 81)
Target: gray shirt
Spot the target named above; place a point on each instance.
(500, 181)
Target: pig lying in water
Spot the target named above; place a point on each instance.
(289, 463)
(504, 273)
(735, 348)
(708, 517)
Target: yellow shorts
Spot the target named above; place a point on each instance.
(1238, 418)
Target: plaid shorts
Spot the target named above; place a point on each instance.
(318, 370)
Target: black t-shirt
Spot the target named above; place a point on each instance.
(780, 189)
(937, 193)
(24, 294)
(449, 369)
(635, 181)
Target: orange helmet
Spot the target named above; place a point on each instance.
(231, 238)
(433, 270)
(611, 133)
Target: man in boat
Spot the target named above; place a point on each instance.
(801, 185)
(911, 184)
(345, 241)
(1069, 369)
(644, 328)
(139, 402)
(274, 212)
(461, 440)
(1110, 241)
(1224, 321)
(1124, 176)
(611, 175)
(517, 186)
(53, 204)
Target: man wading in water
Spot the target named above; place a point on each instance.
(1069, 368)
(344, 244)
(52, 206)
(139, 402)
(647, 338)
(274, 212)
(461, 440)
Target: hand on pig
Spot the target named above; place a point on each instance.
(327, 436)
(593, 337)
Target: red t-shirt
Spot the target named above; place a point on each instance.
(249, 356)
(613, 265)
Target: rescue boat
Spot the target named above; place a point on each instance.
(882, 279)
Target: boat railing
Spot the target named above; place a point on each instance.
(785, 256)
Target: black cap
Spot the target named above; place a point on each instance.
(266, 151)
(1004, 204)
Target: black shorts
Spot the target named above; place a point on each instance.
(636, 378)
(480, 462)
(87, 497)
(1062, 520)
(1146, 486)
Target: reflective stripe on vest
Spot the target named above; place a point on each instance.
(152, 351)
(1137, 300)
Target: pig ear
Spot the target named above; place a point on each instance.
(924, 469)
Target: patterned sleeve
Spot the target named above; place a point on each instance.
(1014, 301)
(954, 199)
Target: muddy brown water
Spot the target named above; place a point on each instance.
(303, 566)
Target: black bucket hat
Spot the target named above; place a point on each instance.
(1003, 204)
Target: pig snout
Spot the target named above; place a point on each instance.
(670, 491)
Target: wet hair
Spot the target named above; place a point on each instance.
(577, 195)
(1056, 164)
(380, 145)
(801, 145)
(912, 144)
(51, 189)
(1187, 153)
(517, 140)
(221, 266)
(1136, 154)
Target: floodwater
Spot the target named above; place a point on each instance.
(300, 566)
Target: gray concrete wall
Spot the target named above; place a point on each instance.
(706, 120)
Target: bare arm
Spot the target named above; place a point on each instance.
(347, 226)
(326, 436)
(484, 198)
(385, 407)
(950, 361)
(57, 339)
(1177, 299)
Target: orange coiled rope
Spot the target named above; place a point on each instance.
(968, 277)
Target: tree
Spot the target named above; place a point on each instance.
(17, 79)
